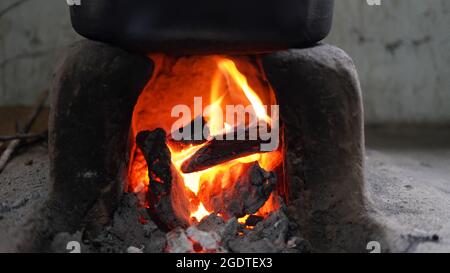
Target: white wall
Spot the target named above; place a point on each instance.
(401, 49)
(402, 52)
(31, 34)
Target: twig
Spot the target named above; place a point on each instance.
(13, 145)
(23, 136)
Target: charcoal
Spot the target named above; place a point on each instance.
(247, 195)
(253, 220)
(212, 234)
(245, 245)
(127, 230)
(230, 230)
(221, 150)
(149, 228)
(268, 236)
(275, 228)
(226, 230)
(126, 213)
(169, 206)
(212, 222)
(194, 139)
(156, 243)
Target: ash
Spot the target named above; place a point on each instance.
(132, 231)
(275, 234)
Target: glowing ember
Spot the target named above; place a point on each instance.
(243, 219)
(200, 213)
(219, 81)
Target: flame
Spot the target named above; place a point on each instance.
(243, 220)
(200, 213)
(228, 67)
(192, 180)
(226, 85)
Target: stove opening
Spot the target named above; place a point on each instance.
(206, 139)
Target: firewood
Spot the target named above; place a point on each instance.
(220, 150)
(246, 194)
(253, 220)
(169, 206)
(23, 136)
(194, 139)
(13, 145)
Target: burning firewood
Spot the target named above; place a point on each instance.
(169, 206)
(245, 195)
(220, 150)
(195, 138)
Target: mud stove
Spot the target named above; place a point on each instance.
(153, 71)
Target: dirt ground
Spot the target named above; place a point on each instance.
(408, 184)
(23, 187)
(407, 179)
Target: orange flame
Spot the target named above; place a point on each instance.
(178, 81)
(228, 67)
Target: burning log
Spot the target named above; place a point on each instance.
(221, 149)
(169, 206)
(245, 195)
(194, 137)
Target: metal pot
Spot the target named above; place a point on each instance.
(204, 26)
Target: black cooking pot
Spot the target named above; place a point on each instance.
(204, 26)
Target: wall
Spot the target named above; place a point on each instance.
(402, 52)
(32, 32)
(401, 49)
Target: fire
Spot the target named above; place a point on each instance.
(200, 213)
(220, 79)
(228, 67)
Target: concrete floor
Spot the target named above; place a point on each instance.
(407, 182)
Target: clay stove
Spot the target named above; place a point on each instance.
(112, 128)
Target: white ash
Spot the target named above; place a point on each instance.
(213, 234)
(132, 231)
(298, 244)
(178, 242)
(209, 241)
(130, 227)
(268, 236)
(135, 250)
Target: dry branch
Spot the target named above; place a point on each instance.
(23, 137)
(14, 144)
